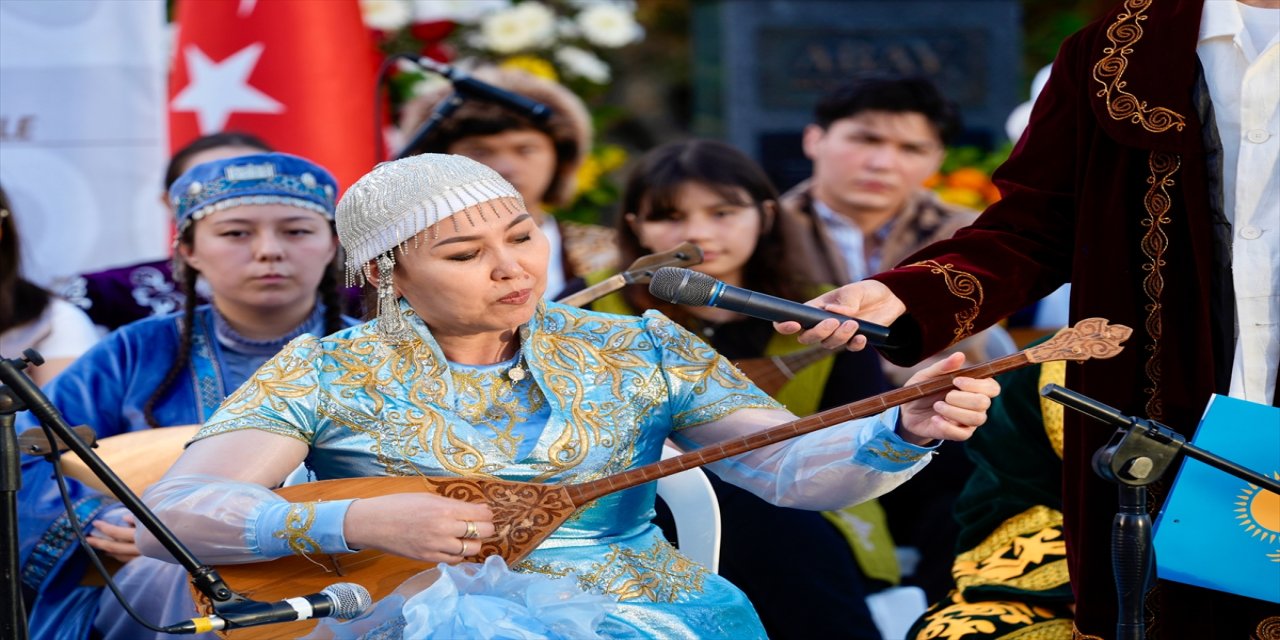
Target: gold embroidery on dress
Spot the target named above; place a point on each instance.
(1157, 202)
(1026, 551)
(365, 364)
(728, 404)
(1053, 371)
(657, 574)
(408, 427)
(276, 380)
(961, 284)
(297, 526)
(585, 352)
(1109, 72)
(491, 400)
(893, 453)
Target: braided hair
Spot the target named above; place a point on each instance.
(327, 291)
(188, 278)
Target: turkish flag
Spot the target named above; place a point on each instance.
(298, 73)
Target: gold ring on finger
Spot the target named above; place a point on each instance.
(463, 553)
(472, 533)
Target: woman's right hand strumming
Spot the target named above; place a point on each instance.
(420, 526)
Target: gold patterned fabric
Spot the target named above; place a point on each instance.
(1012, 579)
(602, 395)
(1109, 72)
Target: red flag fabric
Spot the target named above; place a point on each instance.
(298, 73)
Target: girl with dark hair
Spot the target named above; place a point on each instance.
(115, 297)
(30, 318)
(258, 229)
(713, 195)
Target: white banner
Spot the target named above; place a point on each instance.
(83, 132)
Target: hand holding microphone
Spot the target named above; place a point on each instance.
(344, 601)
(688, 287)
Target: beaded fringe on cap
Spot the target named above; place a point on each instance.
(398, 200)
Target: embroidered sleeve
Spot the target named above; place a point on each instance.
(298, 528)
(703, 386)
(282, 397)
(231, 522)
(884, 450)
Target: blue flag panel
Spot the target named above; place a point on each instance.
(1218, 531)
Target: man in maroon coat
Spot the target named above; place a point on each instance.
(1117, 186)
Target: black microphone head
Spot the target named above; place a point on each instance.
(349, 599)
(682, 286)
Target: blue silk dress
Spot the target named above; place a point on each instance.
(604, 394)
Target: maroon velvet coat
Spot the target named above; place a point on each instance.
(1111, 189)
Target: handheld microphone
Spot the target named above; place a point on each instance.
(685, 286)
(344, 600)
(466, 85)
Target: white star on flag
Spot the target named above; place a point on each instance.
(218, 89)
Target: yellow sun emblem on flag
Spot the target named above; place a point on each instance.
(1259, 514)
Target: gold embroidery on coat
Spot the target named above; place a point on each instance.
(1268, 628)
(1076, 634)
(1053, 371)
(1026, 552)
(297, 526)
(961, 284)
(960, 619)
(1109, 72)
(1154, 243)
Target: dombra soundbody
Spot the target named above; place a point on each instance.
(525, 514)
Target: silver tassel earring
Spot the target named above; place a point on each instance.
(392, 328)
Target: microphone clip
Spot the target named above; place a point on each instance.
(1138, 454)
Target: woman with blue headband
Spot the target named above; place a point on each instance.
(467, 372)
(258, 231)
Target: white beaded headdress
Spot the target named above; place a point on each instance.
(399, 200)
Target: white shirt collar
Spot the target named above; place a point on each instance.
(1220, 19)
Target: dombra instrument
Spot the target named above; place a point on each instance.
(140, 458)
(686, 254)
(525, 514)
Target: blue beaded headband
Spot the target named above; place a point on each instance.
(264, 178)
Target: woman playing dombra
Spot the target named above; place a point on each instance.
(466, 372)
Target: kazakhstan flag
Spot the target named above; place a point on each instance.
(1218, 531)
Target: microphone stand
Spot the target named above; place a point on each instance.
(21, 393)
(13, 618)
(442, 111)
(1138, 454)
